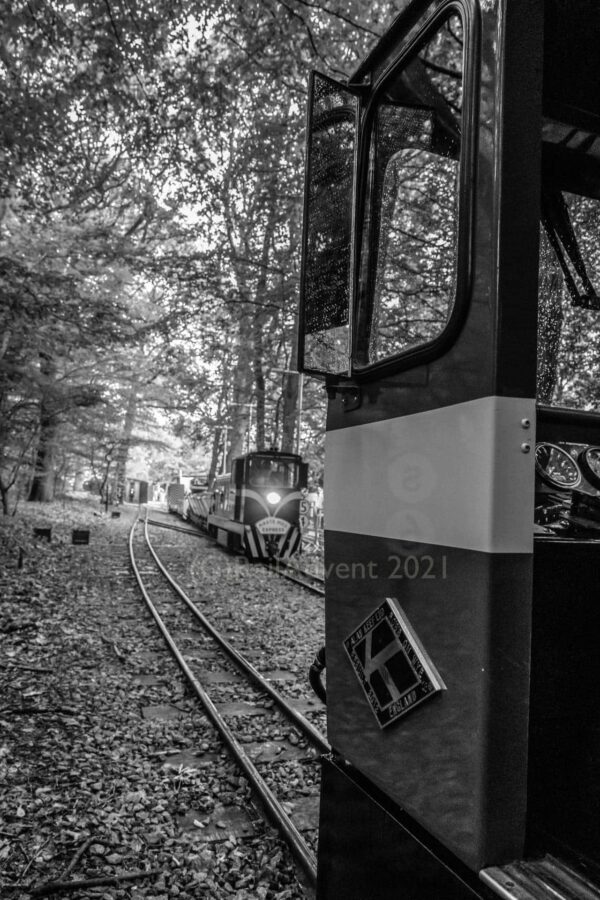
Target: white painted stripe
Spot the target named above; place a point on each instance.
(258, 497)
(455, 476)
(289, 498)
(254, 495)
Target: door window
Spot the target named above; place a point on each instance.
(408, 263)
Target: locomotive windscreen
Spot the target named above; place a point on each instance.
(269, 472)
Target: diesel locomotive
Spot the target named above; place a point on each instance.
(451, 302)
(254, 509)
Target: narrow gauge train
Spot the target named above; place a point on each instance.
(179, 491)
(451, 301)
(254, 509)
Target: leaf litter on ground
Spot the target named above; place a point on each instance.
(86, 794)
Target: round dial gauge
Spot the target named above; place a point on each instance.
(556, 467)
(589, 461)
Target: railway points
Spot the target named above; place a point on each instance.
(294, 569)
(139, 781)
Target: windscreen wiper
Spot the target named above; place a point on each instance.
(559, 228)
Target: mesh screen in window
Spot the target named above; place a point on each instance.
(409, 246)
(326, 289)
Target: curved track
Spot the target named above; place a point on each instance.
(167, 605)
(291, 572)
(286, 569)
(170, 526)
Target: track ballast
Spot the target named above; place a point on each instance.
(172, 608)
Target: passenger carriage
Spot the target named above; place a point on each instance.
(187, 486)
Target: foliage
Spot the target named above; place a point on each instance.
(150, 215)
(569, 335)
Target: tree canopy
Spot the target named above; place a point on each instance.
(151, 187)
(150, 216)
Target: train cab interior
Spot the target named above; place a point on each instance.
(273, 471)
(564, 750)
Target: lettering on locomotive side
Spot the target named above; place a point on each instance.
(392, 666)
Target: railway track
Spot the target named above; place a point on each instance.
(286, 569)
(213, 669)
(291, 572)
(170, 526)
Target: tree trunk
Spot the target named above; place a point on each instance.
(258, 324)
(259, 381)
(240, 403)
(292, 399)
(289, 437)
(62, 473)
(124, 445)
(42, 487)
(219, 440)
(4, 495)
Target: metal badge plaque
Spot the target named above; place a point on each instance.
(391, 664)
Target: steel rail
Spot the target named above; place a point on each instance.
(301, 723)
(171, 527)
(278, 564)
(320, 591)
(309, 575)
(273, 808)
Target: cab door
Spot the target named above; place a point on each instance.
(429, 472)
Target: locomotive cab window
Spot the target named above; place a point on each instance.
(569, 273)
(408, 259)
(268, 472)
(326, 276)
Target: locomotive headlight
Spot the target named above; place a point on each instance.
(273, 497)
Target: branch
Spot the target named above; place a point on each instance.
(338, 15)
(55, 887)
(306, 27)
(77, 857)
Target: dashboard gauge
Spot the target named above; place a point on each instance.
(556, 467)
(589, 461)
